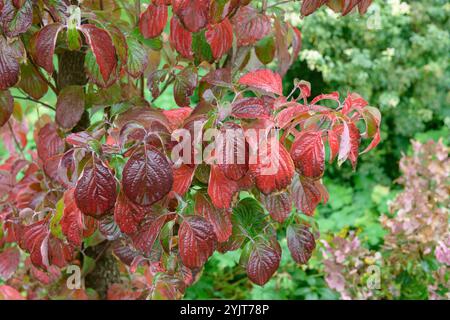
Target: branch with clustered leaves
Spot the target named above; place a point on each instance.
(114, 180)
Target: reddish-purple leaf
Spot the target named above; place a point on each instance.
(180, 38)
(35, 241)
(153, 20)
(219, 218)
(72, 219)
(250, 25)
(147, 176)
(44, 45)
(9, 65)
(70, 106)
(145, 237)
(192, 13)
(274, 168)
(308, 154)
(221, 189)
(127, 215)
(95, 193)
(197, 241)
(363, 5)
(49, 143)
(16, 20)
(301, 243)
(251, 108)
(333, 142)
(264, 79)
(6, 106)
(220, 38)
(279, 205)
(102, 46)
(307, 194)
(9, 261)
(263, 262)
(309, 6)
(232, 151)
(184, 86)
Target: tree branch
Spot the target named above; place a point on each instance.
(36, 101)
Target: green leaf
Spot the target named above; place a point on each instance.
(55, 226)
(201, 48)
(137, 58)
(265, 49)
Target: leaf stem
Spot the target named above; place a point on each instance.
(15, 139)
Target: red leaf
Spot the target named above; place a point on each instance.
(308, 154)
(70, 106)
(35, 241)
(307, 194)
(221, 189)
(192, 13)
(333, 141)
(232, 151)
(153, 20)
(102, 46)
(197, 241)
(220, 38)
(219, 218)
(9, 261)
(9, 65)
(72, 219)
(147, 176)
(353, 102)
(344, 144)
(182, 179)
(250, 26)
(309, 6)
(372, 117)
(180, 38)
(49, 143)
(9, 293)
(127, 215)
(251, 108)
(44, 45)
(364, 5)
(264, 79)
(264, 260)
(279, 205)
(176, 117)
(274, 168)
(147, 234)
(6, 106)
(301, 243)
(95, 193)
(355, 139)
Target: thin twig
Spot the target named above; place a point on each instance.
(36, 101)
(278, 4)
(15, 140)
(166, 85)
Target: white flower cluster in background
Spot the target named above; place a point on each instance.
(399, 7)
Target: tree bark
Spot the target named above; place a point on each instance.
(106, 271)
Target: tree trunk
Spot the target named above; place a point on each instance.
(106, 271)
